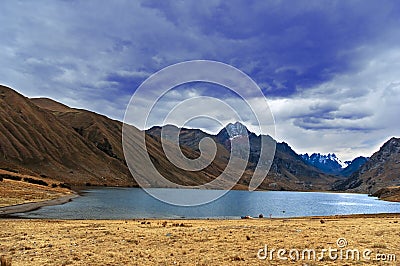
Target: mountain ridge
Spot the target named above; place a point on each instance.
(331, 164)
(77, 146)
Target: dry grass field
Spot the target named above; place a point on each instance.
(197, 242)
(14, 192)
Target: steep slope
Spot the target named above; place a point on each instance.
(289, 172)
(380, 171)
(36, 141)
(100, 130)
(388, 194)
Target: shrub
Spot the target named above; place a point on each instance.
(35, 181)
(9, 169)
(11, 177)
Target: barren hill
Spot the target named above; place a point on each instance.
(35, 140)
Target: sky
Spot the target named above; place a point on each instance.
(330, 70)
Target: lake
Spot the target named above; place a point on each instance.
(128, 203)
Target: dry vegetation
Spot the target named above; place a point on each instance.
(13, 192)
(192, 242)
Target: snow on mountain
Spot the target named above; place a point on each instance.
(236, 130)
(329, 163)
(332, 157)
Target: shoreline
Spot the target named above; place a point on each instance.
(7, 217)
(31, 206)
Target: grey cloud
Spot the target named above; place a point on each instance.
(336, 62)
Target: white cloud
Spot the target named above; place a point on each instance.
(351, 115)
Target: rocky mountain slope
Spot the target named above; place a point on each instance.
(380, 171)
(44, 137)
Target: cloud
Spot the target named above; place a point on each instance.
(352, 114)
(329, 69)
(288, 47)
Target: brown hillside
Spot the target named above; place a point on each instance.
(35, 140)
(103, 132)
(106, 135)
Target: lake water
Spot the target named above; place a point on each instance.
(127, 203)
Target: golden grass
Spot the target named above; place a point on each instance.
(18, 192)
(191, 242)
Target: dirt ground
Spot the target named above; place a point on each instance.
(200, 242)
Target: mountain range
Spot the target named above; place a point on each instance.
(331, 164)
(288, 170)
(40, 136)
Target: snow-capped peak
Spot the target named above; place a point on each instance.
(236, 130)
(333, 157)
(330, 158)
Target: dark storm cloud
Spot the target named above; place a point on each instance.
(285, 47)
(288, 47)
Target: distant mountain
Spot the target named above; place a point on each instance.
(353, 166)
(329, 164)
(288, 165)
(288, 171)
(380, 171)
